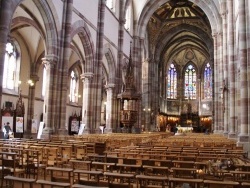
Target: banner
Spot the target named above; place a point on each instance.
(40, 130)
(81, 129)
(19, 124)
(34, 126)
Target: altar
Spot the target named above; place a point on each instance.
(183, 130)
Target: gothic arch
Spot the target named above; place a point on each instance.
(184, 27)
(49, 22)
(76, 66)
(209, 8)
(111, 63)
(26, 21)
(81, 28)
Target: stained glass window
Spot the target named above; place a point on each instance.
(172, 82)
(10, 67)
(208, 82)
(190, 82)
(73, 96)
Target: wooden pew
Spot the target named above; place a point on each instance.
(241, 176)
(51, 183)
(245, 184)
(111, 176)
(220, 184)
(173, 182)
(155, 170)
(12, 179)
(85, 186)
(145, 181)
(103, 166)
(61, 178)
(129, 168)
(78, 164)
(97, 175)
(184, 172)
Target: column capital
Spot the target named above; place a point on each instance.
(87, 75)
(34, 77)
(224, 14)
(109, 86)
(49, 60)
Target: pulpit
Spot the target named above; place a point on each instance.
(129, 98)
(128, 119)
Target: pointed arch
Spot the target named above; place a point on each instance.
(109, 54)
(48, 18)
(81, 28)
(209, 8)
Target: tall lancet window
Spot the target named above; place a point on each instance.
(10, 76)
(207, 82)
(128, 23)
(110, 4)
(190, 79)
(172, 82)
(73, 96)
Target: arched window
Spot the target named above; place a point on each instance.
(74, 85)
(109, 4)
(172, 82)
(44, 81)
(190, 82)
(128, 18)
(11, 69)
(207, 82)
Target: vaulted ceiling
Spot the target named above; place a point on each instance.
(178, 28)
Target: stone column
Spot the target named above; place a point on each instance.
(86, 102)
(220, 84)
(110, 115)
(243, 136)
(154, 93)
(232, 70)
(225, 68)
(49, 62)
(31, 101)
(146, 100)
(216, 90)
(62, 80)
(218, 126)
(97, 68)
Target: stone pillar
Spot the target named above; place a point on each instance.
(225, 68)
(146, 100)
(243, 136)
(49, 62)
(218, 70)
(154, 94)
(110, 116)
(220, 84)
(86, 102)
(138, 46)
(62, 80)
(216, 91)
(31, 101)
(232, 70)
(97, 84)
